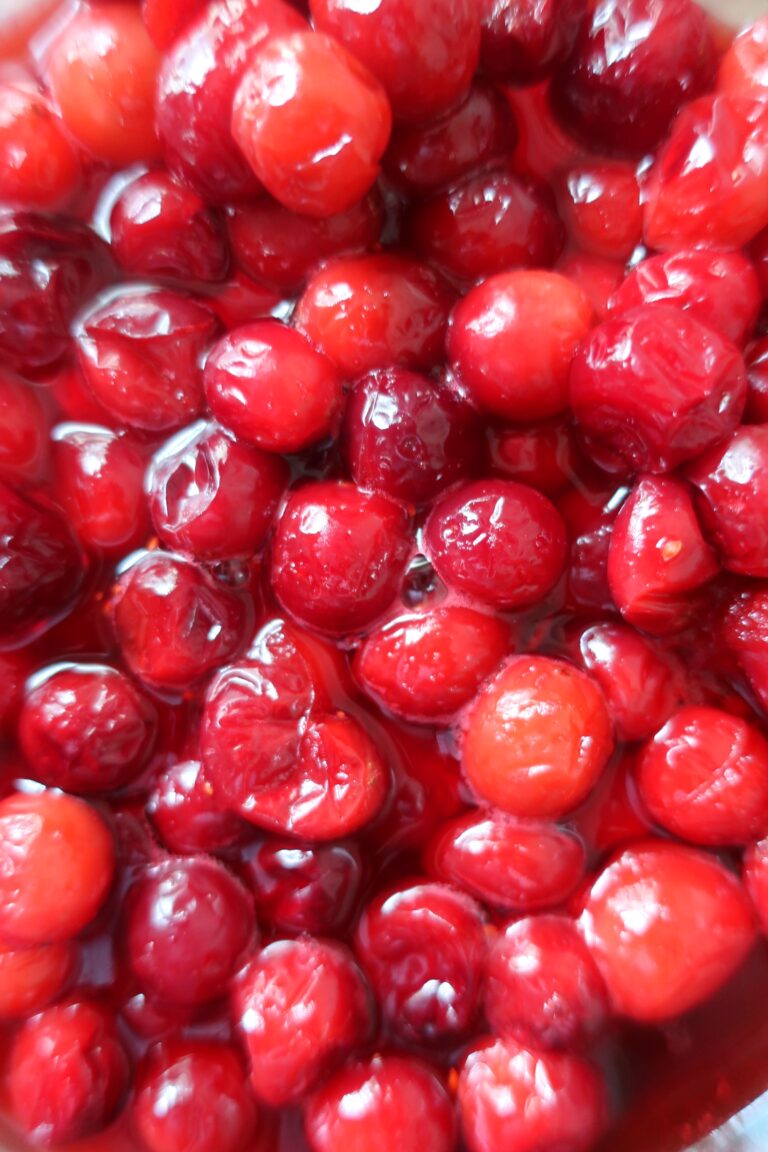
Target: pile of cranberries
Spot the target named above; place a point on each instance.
(383, 564)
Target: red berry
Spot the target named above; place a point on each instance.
(85, 728)
(742, 68)
(375, 311)
(745, 635)
(756, 879)
(268, 384)
(301, 1006)
(536, 738)
(39, 168)
(213, 496)
(518, 865)
(312, 122)
(424, 52)
(656, 387)
(732, 499)
(658, 556)
(407, 435)
(545, 455)
(188, 925)
(600, 207)
(339, 555)
(589, 514)
(183, 809)
(633, 65)
(512, 339)
(165, 19)
(173, 622)
(102, 68)
(524, 42)
(643, 924)
(422, 947)
(542, 983)
(31, 977)
(529, 1099)
(499, 541)
(424, 666)
(161, 228)
(68, 1072)
(306, 888)
(597, 278)
(23, 431)
(385, 1104)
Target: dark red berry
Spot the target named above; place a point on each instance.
(521, 43)
(306, 888)
(184, 810)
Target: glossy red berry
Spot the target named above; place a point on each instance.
(600, 206)
(192, 1096)
(537, 737)
(422, 947)
(642, 922)
(301, 1006)
(544, 456)
(523, 43)
(500, 542)
(184, 811)
(23, 431)
(745, 636)
(30, 978)
(39, 167)
(742, 68)
(312, 888)
(512, 339)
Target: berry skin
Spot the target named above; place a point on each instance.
(756, 879)
(512, 339)
(268, 384)
(745, 637)
(424, 52)
(23, 432)
(643, 920)
(68, 1072)
(185, 814)
(523, 43)
(424, 666)
(85, 728)
(310, 888)
(536, 738)
(301, 1006)
(192, 1096)
(512, 1095)
(542, 982)
(518, 865)
(318, 151)
(600, 206)
(39, 168)
(166, 19)
(338, 556)
(704, 778)
(31, 977)
(422, 947)
(756, 357)
(545, 455)
(656, 388)
(57, 858)
(742, 68)
(188, 924)
(211, 495)
(385, 1104)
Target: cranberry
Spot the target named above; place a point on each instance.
(39, 168)
(642, 687)
(542, 455)
(732, 488)
(658, 556)
(704, 777)
(422, 947)
(424, 666)
(512, 1095)
(656, 387)
(161, 228)
(745, 635)
(719, 289)
(306, 888)
(374, 311)
(15, 667)
(173, 622)
(597, 278)
(756, 879)
(524, 42)
(239, 300)
(68, 1072)
(183, 809)
(600, 207)
(589, 514)
(23, 431)
(301, 1005)
(643, 924)
(424, 52)
(213, 496)
(31, 977)
(758, 252)
(280, 247)
(384, 1104)
(541, 981)
(41, 567)
(102, 69)
(537, 737)
(85, 728)
(512, 339)
(407, 435)
(188, 923)
(140, 353)
(192, 1096)
(518, 865)
(423, 158)
(499, 541)
(614, 818)
(756, 357)
(742, 68)
(488, 223)
(196, 86)
(339, 555)
(709, 184)
(272, 388)
(633, 65)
